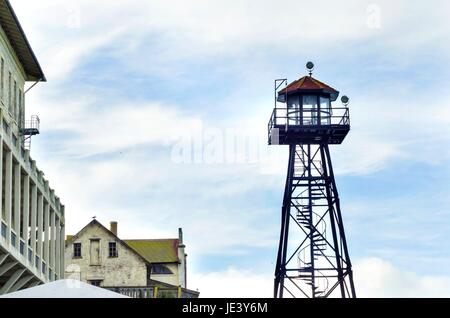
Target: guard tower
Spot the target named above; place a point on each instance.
(313, 259)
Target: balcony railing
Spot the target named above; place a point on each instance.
(154, 292)
(283, 118)
(309, 117)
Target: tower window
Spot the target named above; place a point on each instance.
(325, 111)
(309, 110)
(113, 249)
(76, 250)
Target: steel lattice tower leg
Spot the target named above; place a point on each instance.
(313, 258)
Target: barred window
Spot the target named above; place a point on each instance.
(77, 250)
(113, 249)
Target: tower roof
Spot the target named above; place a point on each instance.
(16, 36)
(310, 84)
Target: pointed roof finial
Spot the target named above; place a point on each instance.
(310, 67)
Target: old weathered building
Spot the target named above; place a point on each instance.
(96, 255)
(32, 217)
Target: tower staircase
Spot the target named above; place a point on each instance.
(317, 235)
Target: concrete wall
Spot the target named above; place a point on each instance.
(32, 216)
(125, 270)
(12, 97)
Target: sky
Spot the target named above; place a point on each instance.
(155, 115)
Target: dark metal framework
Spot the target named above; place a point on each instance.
(29, 129)
(313, 259)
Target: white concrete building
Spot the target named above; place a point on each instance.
(32, 216)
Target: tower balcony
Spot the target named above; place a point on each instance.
(308, 126)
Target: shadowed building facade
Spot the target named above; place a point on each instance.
(32, 216)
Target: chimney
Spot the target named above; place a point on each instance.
(180, 236)
(182, 257)
(113, 227)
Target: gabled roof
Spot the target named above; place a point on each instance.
(156, 251)
(309, 84)
(95, 222)
(150, 251)
(19, 42)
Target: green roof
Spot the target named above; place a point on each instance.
(156, 251)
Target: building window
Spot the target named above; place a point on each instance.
(96, 282)
(113, 249)
(4, 229)
(76, 250)
(14, 109)
(160, 270)
(10, 93)
(2, 77)
(22, 108)
(19, 108)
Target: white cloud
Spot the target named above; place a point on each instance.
(111, 128)
(189, 29)
(152, 37)
(232, 283)
(374, 278)
(151, 198)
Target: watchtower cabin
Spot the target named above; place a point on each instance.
(304, 113)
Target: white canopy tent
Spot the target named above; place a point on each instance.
(65, 288)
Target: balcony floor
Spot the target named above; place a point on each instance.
(311, 134)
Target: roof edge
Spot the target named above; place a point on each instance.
(27, 43)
